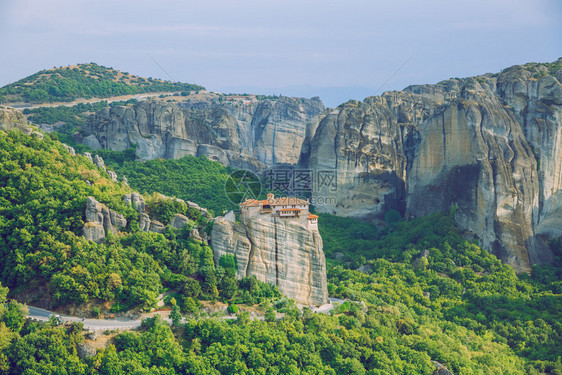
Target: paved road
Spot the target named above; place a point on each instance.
(125, 323)
(93, 324)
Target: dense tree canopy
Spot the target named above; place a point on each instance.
(428, 293)
(65, 84)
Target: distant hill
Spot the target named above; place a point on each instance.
(67, 83)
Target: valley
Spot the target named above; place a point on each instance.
(442, 247)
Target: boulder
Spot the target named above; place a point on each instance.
(118, 220)
(100, 220)
(440, 369)
(88, 156)
(70, 149)
(156, 226)
(113, 176)
(98, 160)
(138, 202)
(144, 222)
(94, 211)
(85, 351)
(11, 118)
(195, 235)
(91, 141)
(179, 221)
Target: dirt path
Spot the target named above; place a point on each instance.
(22, 106)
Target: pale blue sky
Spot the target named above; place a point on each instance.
(335, 49)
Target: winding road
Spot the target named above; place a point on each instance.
(37, 313)
(40, 314)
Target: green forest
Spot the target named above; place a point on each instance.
(429, 294)
(64, 84)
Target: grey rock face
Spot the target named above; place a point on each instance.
(85, 351)
(195, 235)
(156, 226)
(113, 176)
(136, 200)
(100, 220)
(118, 220)
(88, 156)
(91, 141)
(144, 222)
(179, 221)
(70, 149)
(475, 143)
(241, 135)
(93, 211)
(440, 369)
(11, 118)
(279, 251)
(93, 232)
(98, 160)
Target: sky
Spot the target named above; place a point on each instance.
(338, 50)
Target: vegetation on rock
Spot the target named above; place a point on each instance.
(65, 84)
(429, 294)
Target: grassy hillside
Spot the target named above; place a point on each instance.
(67, 83)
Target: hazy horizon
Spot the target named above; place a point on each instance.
(336, 50)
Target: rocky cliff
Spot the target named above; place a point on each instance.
(244, 134)
(490, 145)
(280, 251)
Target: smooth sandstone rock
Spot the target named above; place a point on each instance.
(474, 143)
(251, 135)
(279, 251)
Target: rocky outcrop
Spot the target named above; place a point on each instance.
(10, 118)
(280, 251)
(98, 161)
(69, 149)
(112, 175)
(440, 369)
(179, 221)
(156, 226)
(489, 145)
(84, 350)
(136, 200)
(100, 220)
(244, 135)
